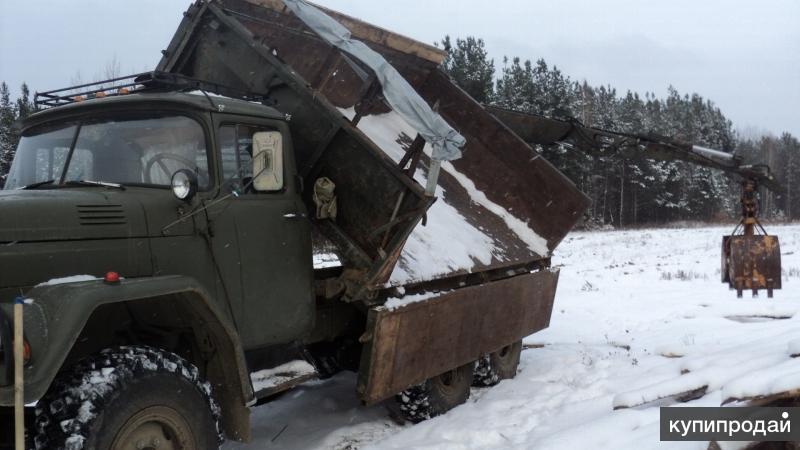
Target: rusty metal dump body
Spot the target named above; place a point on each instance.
(524, 205)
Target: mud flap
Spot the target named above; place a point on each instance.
(751, 263)
(410, 344)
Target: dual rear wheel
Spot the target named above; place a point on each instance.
(439, 394)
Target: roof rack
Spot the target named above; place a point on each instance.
(140, 82)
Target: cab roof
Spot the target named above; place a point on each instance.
(196, 100)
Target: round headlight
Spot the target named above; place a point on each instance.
(184, 184)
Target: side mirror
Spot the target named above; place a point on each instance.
(268, 161)
(184, 184)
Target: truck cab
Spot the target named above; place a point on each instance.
(198, 191)
(99, 176)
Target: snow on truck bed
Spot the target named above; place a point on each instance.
(450, 242)
(634, 310)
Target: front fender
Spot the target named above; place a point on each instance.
(56, 314)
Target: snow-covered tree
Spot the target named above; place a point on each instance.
(10, 112)
(8, 115)
(25, 106)
(468, 64)
(515, 86)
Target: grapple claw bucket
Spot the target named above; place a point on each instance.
(751, 262)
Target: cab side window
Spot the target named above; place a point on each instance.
(237, 162)
(238, 145)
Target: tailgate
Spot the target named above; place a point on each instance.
(411, 343)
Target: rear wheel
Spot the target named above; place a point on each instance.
(436, 395)
(131, 398)
(497, 366)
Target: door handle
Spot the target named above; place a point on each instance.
(293, 216)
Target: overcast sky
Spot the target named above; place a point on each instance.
(742, 54)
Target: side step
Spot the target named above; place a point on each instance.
(269, 382)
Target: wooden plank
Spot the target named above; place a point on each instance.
(409, 344)
(367, 32)
(269, 392)
(766, 400)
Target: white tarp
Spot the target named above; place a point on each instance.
(403, 99)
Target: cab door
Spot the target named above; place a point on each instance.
(262, 207)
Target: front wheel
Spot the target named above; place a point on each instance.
(129, 398)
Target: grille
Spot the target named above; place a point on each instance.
(101, 215)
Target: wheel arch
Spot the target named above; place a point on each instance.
(69, 321)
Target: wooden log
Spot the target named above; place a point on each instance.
(19, 363)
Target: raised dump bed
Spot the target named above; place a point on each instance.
(501, 208)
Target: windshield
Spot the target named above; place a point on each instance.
(142, 151)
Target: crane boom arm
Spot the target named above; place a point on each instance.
(538, 129)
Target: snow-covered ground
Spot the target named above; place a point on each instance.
(639, 315)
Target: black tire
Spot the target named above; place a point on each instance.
(436, 395)
(497, 366)
(126, 394)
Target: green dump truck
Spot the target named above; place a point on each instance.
(197, 239)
